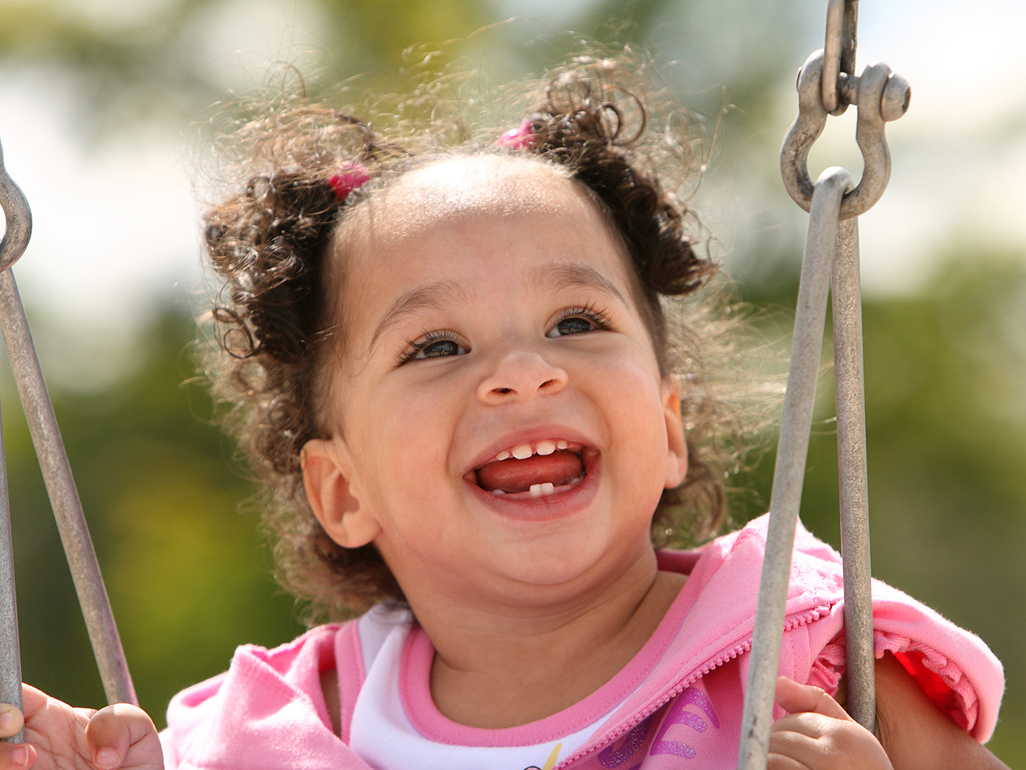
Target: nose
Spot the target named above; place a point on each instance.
(521, 375)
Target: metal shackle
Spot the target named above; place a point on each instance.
(880, 97)
(18, 216)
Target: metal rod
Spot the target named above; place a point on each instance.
(60, 485)
(853, 487)
(10, 647)
(788, 475)
(17, 231)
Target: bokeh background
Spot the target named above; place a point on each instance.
(99, 104)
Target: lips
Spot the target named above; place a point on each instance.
(538, 468)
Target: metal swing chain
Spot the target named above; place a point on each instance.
(60, 484)
(826, 85)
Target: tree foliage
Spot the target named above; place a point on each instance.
(185, 570)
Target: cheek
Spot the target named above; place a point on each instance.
(414, 430)
(634, 399)
(632, 373)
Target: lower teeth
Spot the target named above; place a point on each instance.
(546, 488)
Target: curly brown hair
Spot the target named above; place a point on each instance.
(275, 327)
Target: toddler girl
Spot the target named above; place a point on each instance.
(459, 372)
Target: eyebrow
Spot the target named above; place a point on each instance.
(434, 296)
(575, 276)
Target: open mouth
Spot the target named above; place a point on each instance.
(537, 469)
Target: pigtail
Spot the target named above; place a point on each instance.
(593, 124)
(269, 243)
(269, 247)
(275, 319)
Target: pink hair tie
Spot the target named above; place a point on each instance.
(351, 175)
(518, 138)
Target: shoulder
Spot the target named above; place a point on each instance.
(286, 668)
(733, 562)
(952, 666)
(239, 718)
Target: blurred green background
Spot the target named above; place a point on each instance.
(111, 277)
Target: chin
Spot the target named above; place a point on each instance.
(565, 562)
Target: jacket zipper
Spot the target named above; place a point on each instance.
(738, 649)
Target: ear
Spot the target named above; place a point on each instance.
(327, 476)
(677, 448)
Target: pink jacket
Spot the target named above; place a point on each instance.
(267, 712)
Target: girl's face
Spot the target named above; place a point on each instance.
(500, 424)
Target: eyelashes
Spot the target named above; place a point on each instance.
(595, 319)
(445, 343)
(439, 343)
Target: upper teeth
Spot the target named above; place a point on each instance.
(523, 451)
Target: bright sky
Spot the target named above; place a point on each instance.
(115, 225)
(959, 155)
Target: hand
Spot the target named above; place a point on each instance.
(818, 734)
(59, 737)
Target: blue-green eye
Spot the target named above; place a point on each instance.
(573, 326)
(578, 320)
(436, 344)
(440, 348)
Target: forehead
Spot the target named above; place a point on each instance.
(450, 190)
(470, 220)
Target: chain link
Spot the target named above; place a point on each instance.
(839, 53)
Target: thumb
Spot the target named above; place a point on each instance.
(11, 720)
(112, 731)
(794, 697)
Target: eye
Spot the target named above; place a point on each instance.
(440, 348)
(578, 320)
(436, 344)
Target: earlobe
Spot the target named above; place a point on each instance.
(327, 476)
(676, 446)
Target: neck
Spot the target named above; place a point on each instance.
(497, 666)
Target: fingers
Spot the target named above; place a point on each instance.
(819, 735)
(11, 720)
(119, 736)
(821, 743)
(16, 756)
(115, 731)
(795, 698)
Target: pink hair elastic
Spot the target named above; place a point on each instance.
(351, 175)
(518, 138)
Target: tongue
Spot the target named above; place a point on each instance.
(514, 475)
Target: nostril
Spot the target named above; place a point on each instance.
(503, 391)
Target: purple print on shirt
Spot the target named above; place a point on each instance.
(619, 755)
(678, 716)
(613, 757)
